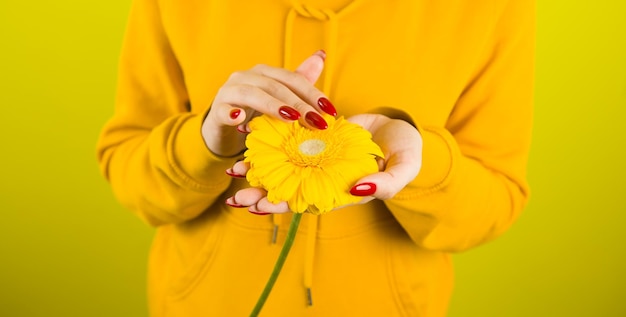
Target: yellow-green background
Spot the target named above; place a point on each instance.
(68, 249)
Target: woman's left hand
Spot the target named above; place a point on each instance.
(401, 144)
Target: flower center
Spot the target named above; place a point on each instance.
(312, 147)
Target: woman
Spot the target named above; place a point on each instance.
(445, 88)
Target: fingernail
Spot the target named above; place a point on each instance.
(289, 113)
(363, 189)
(231, 173)
(242, 128)
(316, 120)
(235, 113)
(258, 213)
(231, 202)
(321, 53)
(327, 106)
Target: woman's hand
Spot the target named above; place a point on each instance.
(278, 92)
(401, 144)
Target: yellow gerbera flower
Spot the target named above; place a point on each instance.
(312, 170)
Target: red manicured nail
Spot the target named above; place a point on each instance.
(316, 120)
(363, 189)
(233, 203)
(321, 53)
(327, 106)
(259, 213)
(242, 128)
(231, 173)
(289, 113)
(235, 113)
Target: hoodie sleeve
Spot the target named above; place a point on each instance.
(151, 150)
(472, 185)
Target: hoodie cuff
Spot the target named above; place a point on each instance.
(439, 152)
(438, 157)
(194, 163)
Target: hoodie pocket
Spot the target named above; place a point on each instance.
(192, 264)
(228, 274)
(422, 280)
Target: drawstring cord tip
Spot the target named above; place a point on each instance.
(309, 297)
(275, 234)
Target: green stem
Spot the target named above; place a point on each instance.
(291, 234)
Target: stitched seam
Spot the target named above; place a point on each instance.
(180, 174)
(421, 192)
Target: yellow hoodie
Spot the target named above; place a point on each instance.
(461, 71)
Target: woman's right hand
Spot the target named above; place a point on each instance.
(278, 92)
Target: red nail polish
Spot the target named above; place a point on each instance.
(233, 204)
(289, 113)
(241, 128)
(235, 113)
(316, 120)
(321, 53)
(231, 173)
(259, 213)
(327, 106)
(363, 189)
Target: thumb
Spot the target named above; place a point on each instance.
(313, 66)
(386, 184)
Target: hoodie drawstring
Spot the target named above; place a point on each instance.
(276, 219)
(309, 256)
(330, 21)
(330, 37)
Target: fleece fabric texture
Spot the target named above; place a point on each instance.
(461, 71)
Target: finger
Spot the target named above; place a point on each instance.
(256, 96)
(245, 127)
(217, 127)
(264, 95)
(312, 67)
(246, 197)
(384, 185)
(239, 169)
(380, 185)
(227, 115)
(300, 82)
(264, 205)
(256, 201)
